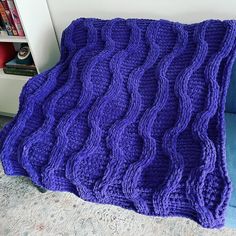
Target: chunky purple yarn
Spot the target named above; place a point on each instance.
(131, 115)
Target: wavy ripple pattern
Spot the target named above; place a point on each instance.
(50, 106)
(135, 170)
(101, 185)
(160, 198)
(63, 128)
(113, 92)
(199, 129)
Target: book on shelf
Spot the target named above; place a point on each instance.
(12, 24)
(2, 26)
(19, 71)
(15, 17)
(13, 64)
(9, 16)
(5, 20)
(14, 67)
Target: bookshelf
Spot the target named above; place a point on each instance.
(41, 38)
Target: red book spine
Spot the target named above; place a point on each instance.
(8, 13)
(15, 17)
(5, 19)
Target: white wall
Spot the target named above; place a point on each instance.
(186, 11)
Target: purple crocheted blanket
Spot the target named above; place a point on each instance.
(132, 115)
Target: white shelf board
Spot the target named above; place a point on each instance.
(13, 39)
(14, 77)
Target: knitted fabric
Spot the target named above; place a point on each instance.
(132, 115)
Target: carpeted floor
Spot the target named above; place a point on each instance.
(25, 211)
